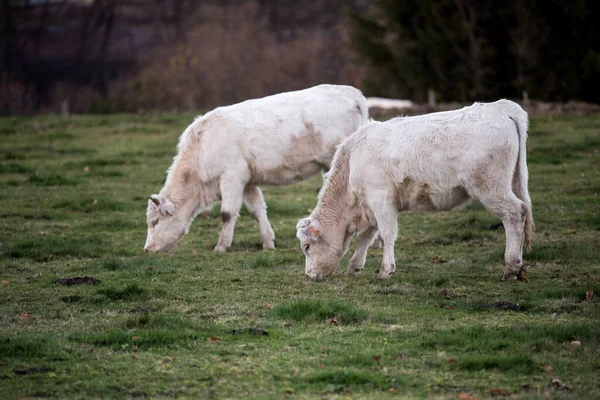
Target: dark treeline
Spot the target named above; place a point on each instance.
(481, 49)
(131, 55)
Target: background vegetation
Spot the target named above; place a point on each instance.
(196, 324)
(104, 56)
(467, 50)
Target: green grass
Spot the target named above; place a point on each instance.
(248, 324)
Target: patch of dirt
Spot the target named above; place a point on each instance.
(250, 331)
(501, 305)
(30, 371)
(78, 280)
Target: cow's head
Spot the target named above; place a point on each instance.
(323, 248)
(165, 225)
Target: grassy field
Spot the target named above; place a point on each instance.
(248, 324)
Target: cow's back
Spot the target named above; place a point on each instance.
(436, 150)
(285, 137)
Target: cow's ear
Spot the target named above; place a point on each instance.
(303, 223)
(311, 233)
(167, 206)
(154, 199)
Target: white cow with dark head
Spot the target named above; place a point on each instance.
(432, 162)
(225, 154)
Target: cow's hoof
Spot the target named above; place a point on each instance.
(220, 249)
(269, 246)
(353, 271)
(522, 275)
(386, 275)
(315, 277)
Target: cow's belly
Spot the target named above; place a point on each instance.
(454, 198)
(413, 195)
(285, 175)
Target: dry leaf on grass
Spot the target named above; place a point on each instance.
(332, 321)
(547, 368)
(5, 282)
(268, 306)
(26, 317)
(499, 392)
(213, 339)
(466, 396)
(576, 343)
(399, 357)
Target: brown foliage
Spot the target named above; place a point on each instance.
(230, 54)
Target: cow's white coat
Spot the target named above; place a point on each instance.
(432, 162)
(225, 154)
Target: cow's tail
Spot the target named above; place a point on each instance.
(521, 175)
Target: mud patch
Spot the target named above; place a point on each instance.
(250, 331)
(78, 280)
(29, 371)
(501, 305)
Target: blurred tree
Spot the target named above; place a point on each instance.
(467, 49)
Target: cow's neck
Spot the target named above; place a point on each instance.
(183, 187)
(334, 199)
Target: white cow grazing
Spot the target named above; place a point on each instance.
(225, 154)
(431, 162)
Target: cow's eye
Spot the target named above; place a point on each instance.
(305, 248)
(154, 222)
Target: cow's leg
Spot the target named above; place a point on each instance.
(512, 212)
(387, 222)
(232, 192)
(364, 239)
(255, 203)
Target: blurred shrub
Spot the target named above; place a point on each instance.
(77, 99)
(231, 56)
(16, 97)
